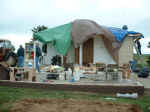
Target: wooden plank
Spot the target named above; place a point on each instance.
(31, 72)
(12, 74)
(88, 52)
(77, 55)
(64, 60)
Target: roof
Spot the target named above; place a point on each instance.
(60, 36)
(81, 30)
(120, 34)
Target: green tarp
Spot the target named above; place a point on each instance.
(60, 36)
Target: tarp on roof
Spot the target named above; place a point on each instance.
(59, 35)
(120, 34)
(135, 34)
(80, 31)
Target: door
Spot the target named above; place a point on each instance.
(77, 55)
(87, 55)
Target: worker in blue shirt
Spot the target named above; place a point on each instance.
(38, 54)
(20, 54)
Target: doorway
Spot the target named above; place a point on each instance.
(87, 56)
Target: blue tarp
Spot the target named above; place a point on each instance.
(133, 32)
(120, 34)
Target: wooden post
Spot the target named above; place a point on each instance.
(123, 71)
(80, 57)
(126, 71)
(30, 71)
(34, 47)
(129, 74)
(33, 69)
(129, 71)
(12, 74)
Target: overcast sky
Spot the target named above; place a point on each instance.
(18, 17)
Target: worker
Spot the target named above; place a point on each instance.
(138, 45)
(38, 54)
(20, 54)
(125, 27)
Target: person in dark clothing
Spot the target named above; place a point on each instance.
(20, 54)
(138, 45)
(38, 54)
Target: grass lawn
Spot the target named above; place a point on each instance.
(10, 95)
(145, 59)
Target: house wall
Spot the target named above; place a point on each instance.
(51, 51)
(71, 54)
(100, 52)
(126, 51)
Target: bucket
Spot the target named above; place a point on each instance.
(76, 76)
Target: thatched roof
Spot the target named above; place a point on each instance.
(82, 30)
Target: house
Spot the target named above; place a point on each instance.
(84, 41)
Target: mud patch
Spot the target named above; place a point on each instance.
(71, 105)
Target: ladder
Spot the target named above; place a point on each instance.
(141, 59)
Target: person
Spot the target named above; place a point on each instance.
(20, 54)
(38, 54)
(133, 65)
(125, 27)
(138, 45)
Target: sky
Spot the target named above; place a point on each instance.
(18, 17)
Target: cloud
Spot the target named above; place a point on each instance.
(60, 11)
(18, 17)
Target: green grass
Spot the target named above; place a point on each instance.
(144, 62)
(9, 95)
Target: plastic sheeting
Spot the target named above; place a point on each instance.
(135, 33)
(81, 30)
(60, 36)
(120, 34)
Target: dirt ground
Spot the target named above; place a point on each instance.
(71, 105)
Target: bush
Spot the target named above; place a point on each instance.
(139, 66)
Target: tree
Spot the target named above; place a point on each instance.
(148, 45)
(39, 28)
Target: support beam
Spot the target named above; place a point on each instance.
(62, 59)
(81, 47)
(34, 47)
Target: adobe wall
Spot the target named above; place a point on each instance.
(100, 52)
(126, 51)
